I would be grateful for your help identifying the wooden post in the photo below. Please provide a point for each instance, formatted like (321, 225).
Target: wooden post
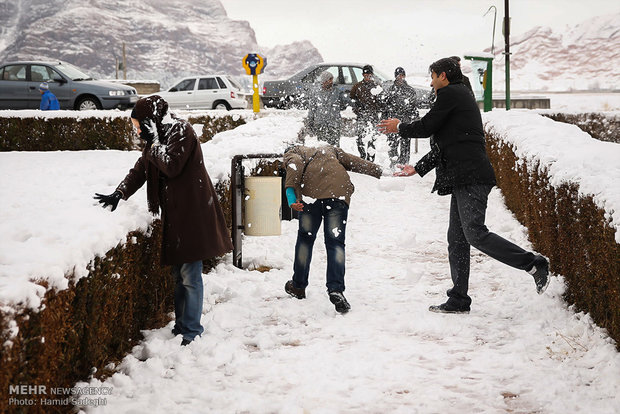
(124, 63)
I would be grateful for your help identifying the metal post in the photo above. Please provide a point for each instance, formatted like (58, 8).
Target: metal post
(494, 19)
(255, 97)
(237, 189)
(507, 50)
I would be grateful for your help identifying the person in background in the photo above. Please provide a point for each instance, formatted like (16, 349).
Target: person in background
(178, 185)
(462, 169)
(366, 96)
(321, 174)
(48, 99)
(401, 103)
(466, 81)
(324, 108)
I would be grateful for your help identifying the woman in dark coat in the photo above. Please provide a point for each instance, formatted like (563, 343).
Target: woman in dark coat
(177, 183)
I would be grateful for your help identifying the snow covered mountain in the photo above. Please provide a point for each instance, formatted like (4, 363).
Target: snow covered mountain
(165, 39)
(583, 57)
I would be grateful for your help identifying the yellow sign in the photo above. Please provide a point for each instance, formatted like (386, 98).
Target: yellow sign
(254, 65)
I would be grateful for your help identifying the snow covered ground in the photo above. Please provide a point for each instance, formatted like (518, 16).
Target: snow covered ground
(265, 352)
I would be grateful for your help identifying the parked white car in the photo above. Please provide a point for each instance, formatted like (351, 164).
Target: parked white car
(206, 92)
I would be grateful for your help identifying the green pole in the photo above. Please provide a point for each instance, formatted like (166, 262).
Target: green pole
(488, 91)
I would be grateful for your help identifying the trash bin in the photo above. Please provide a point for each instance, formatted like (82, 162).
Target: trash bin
(263, 206)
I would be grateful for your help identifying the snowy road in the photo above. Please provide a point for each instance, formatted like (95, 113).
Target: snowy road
(265, 352)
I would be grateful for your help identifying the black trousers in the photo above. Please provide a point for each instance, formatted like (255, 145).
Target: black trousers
(467, 215)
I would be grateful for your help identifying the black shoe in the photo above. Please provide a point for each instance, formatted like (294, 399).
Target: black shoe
(339, 301)
(540, 271)
(185, 342)
(445, 308)
(175, 331)
(293, 291)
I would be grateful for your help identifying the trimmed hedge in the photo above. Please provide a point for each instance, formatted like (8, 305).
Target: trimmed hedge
(81, 329)
(74, 133)
(600, 126)
(65, 134)
(213, 125)
(567, 227)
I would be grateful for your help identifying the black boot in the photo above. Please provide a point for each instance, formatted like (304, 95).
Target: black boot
(446, 308)
(339, 301)
(540, 271)
(293, 291)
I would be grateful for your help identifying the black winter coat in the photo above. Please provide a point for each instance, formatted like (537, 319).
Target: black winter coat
(194, 227)
(458, 150)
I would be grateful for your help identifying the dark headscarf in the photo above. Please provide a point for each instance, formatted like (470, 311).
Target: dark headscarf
(151, 111)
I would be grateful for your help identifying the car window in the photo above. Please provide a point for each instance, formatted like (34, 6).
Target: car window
(234, 83)
(357, 72)
(39, 73)
(311, 77)
(221, 83)
(348, 75)
(14, 73)
(184, 85)
(380, 77)
(208, 83)
(333, 70)
(72, 72)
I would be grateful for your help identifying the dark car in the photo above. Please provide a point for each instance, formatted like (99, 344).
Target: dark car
(19, 87)
(292, 92)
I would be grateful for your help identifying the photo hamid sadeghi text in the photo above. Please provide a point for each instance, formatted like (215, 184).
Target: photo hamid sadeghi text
(42, 395)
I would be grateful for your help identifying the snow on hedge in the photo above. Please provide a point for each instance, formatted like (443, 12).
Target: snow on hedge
(569, 155)
(50, 223)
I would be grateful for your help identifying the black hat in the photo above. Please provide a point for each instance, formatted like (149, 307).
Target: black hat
(367, 69)
(399, 71)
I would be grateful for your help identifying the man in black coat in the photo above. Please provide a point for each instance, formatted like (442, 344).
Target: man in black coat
(463, 169)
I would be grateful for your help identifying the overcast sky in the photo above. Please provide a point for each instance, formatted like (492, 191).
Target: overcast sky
(408, 33)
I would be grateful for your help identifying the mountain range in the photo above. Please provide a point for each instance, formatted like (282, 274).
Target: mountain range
(583, 57)
(164, 39)
(168, 39)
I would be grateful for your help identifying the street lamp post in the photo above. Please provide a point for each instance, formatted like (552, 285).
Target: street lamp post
(507, 50)
(494, 19)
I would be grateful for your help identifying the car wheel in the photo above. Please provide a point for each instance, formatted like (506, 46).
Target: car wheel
(88, 103)
(221, 105)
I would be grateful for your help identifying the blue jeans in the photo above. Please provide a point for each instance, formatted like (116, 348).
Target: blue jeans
(188, 294)
(333, 212)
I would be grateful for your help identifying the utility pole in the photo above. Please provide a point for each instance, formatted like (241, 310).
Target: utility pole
(507, 50)
(125, 62)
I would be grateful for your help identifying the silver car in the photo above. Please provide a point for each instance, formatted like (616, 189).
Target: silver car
(19, 87)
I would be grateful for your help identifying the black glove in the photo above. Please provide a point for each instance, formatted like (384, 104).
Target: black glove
(145, 132)
(109, 200)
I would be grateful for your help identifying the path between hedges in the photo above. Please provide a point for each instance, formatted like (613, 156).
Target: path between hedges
(264, 352)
